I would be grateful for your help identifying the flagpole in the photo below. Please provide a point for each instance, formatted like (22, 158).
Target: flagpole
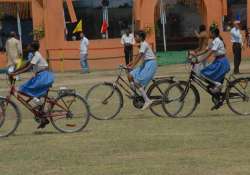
(163, 22)
(19, 28)
(106, 17)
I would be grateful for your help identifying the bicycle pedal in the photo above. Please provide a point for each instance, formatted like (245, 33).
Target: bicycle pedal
(216, 106)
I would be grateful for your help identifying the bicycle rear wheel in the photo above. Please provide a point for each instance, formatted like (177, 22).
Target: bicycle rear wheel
(10, 117)
(177, 107)
(105, 101)
(70, 113)
(238, 96)
(156, 93)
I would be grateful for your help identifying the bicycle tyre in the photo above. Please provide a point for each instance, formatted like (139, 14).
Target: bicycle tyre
(98, 100)
(154, 94)
(183, 104)
(71, 113)
(4, 106)
(235, 92)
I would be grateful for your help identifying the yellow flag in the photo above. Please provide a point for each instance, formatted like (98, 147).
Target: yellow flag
(78, 27)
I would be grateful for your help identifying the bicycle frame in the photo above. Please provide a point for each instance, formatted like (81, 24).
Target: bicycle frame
(204, 83)
(47, 100)
(123, 84)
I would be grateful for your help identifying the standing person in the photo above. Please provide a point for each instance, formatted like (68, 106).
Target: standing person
(237, 41)
(203, 38)
(128, 41)
(84, 46)
(142, 75)
(13, 52)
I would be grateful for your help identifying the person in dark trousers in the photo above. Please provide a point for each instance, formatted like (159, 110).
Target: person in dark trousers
(128, 41)
(237, 41)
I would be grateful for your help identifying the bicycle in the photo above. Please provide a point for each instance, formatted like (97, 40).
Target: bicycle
(68, 112)
(108, 97)
(236, 94)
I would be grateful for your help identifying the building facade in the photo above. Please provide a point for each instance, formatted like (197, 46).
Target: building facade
(48, 17)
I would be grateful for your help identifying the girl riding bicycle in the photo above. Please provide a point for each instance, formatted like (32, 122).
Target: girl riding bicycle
(142, 75)
(40, 83)
(216, 71)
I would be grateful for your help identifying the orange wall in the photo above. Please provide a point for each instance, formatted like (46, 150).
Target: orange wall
(49, 13)
(248, 14)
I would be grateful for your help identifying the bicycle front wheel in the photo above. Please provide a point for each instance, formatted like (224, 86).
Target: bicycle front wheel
(238, 96)
(105, 101)
(10, 117)
(70, 113)
(181, 104)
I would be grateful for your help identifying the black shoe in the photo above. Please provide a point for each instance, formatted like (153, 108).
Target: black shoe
(217, 106)
(44, 122)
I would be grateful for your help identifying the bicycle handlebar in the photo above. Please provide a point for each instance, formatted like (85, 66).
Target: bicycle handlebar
(192, 59)
(121, 66)
(11, 79)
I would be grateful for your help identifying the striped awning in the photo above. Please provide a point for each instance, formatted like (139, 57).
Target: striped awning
(11, 8)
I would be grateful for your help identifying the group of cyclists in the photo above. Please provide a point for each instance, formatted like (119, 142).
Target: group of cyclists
(139, 76)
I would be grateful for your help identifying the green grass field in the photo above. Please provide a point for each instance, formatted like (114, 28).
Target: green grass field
(134, 143)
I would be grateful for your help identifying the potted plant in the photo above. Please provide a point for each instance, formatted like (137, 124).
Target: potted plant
(38, 33)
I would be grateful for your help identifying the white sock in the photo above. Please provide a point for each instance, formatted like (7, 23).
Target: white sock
(132, 85)
(144, 94)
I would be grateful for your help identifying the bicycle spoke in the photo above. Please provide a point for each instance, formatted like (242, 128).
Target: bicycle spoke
(105, 101)
(72, 119)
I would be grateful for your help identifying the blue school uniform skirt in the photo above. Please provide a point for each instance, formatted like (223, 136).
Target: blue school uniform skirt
(217, 70)
(145, 72)
(39, 85)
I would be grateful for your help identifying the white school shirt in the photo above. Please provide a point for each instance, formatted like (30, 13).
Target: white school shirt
(39, 63)
(147, 52)
(128, 39)
(218, 47)
(84, 46)
(236, 36)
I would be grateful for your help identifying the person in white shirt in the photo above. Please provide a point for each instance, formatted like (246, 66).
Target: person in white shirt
(142, 75)
(13, 52)
(216, 71)
(84, 46)
(128, 41)
(39, 84)
(237, 40)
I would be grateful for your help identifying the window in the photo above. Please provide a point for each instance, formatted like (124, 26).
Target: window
(91, 14)
(237, 10)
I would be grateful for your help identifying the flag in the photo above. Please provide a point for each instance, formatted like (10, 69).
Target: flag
(104, 28)
(78, 27)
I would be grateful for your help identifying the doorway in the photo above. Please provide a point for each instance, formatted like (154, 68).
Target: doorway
(181, 18)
